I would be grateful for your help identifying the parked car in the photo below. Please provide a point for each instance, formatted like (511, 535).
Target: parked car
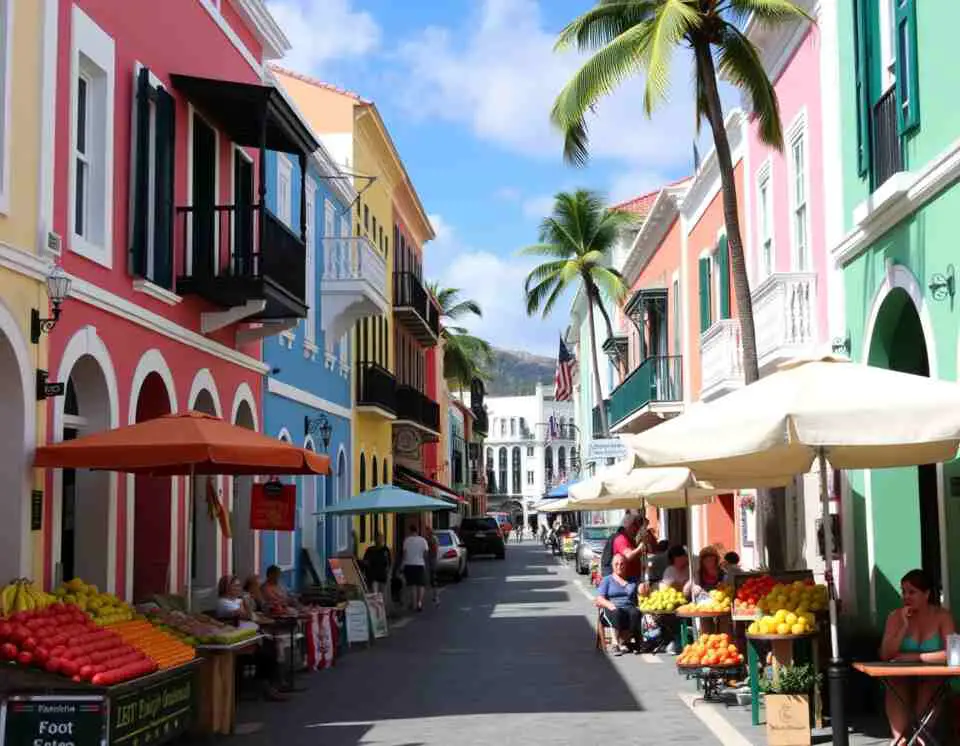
(590, 543)
(451, 555)
(482, 535)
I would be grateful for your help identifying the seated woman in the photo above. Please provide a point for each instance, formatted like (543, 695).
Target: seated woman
(232, 605)
(707, 576)
(617, 596)
(677, 573)
(276, 598)
(917, 632)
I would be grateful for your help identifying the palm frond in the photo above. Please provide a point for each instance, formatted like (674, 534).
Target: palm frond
(596, 78)
(609, 283)
(559, 251)
(547, 269)
(538, 292)
(604, 23)
(463, 308)
(740, 64)
(768, 11)
(673, 21)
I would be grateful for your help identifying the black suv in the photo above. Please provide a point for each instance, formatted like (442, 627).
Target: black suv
(482, 536)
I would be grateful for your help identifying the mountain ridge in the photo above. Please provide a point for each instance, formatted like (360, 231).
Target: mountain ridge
(517, 373)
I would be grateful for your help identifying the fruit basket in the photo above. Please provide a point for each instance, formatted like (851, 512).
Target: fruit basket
(662, 601)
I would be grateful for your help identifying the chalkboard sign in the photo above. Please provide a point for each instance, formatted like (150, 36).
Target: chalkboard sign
(153, 714)
(59, 719)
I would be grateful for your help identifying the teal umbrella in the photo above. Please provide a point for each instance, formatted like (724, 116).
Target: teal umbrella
(387, 499)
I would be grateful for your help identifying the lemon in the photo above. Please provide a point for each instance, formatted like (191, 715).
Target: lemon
(783, 629)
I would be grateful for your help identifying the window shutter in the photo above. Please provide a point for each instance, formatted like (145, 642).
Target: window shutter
(140, 190)
(908, 84)
(723, 270)
(704, 294)
(163, 193)
(861, 29)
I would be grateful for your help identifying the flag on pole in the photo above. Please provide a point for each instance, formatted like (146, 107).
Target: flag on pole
(563, 382)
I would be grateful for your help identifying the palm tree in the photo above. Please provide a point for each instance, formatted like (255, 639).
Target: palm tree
(577, 239)
(465, 356)
(633, 36)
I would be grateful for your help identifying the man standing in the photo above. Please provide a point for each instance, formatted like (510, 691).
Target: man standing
(625, 543)
(378, 561)
(415, 551)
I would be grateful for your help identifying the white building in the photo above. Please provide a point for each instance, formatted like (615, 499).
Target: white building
(530, 448)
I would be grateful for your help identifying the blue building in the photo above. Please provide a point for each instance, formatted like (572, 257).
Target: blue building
(308, 399)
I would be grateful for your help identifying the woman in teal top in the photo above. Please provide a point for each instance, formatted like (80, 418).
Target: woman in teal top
(915, 633)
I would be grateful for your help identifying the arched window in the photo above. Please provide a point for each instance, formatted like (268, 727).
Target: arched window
(363, 472)
(374, 474)
(502, 471)
(562, 462)
(515, 468)
(548, 465)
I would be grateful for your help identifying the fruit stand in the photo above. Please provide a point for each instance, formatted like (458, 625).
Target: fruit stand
(712, 660)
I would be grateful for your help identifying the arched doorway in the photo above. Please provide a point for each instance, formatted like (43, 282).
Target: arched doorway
(905, 502)
(341, 526)
(153, 570)
(205, 570)
(14, 446)
(244, 538)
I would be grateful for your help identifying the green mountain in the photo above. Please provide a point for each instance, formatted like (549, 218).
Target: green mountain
(515, 373)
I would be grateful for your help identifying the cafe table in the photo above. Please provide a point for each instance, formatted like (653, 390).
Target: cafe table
(902, 671)
(286, 624)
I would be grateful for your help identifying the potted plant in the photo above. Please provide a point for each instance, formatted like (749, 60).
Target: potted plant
(787, 701)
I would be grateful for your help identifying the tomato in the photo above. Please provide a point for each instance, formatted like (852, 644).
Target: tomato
(25, 658)
(29, 643)
(57, 651)
(8, 651)
(69, 668)
(52, 664)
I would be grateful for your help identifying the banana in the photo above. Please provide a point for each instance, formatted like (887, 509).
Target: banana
(20, 600)
(7, 596)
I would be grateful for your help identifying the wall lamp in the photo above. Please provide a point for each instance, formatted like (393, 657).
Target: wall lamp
(320, 426)
(942, 285)
(58, 287)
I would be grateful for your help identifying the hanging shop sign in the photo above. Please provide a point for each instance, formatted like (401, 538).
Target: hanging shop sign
(30, 720)
(273, 506)
(606, 448)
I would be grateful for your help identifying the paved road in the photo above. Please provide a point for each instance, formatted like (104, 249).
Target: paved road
(507, 658)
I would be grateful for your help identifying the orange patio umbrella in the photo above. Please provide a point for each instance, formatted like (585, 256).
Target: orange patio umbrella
(182, 443)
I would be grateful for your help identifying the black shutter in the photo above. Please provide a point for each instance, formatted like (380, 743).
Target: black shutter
(140, 189)
(163, 193)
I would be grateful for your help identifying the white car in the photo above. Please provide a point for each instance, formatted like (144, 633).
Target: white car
(591, 541)
(451, 554)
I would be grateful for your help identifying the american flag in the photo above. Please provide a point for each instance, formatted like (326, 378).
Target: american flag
(563, 382)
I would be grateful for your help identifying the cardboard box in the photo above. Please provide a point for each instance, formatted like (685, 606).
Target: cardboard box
(788, 719)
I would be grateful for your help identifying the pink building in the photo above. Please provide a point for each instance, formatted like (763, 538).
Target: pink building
(178, 267)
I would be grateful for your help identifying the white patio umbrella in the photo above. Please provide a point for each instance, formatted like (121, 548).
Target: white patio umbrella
(853, 415)
(554, 506)
(662, 487)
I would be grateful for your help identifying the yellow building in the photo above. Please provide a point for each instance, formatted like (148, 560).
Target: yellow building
(27, 83)
(352, 130)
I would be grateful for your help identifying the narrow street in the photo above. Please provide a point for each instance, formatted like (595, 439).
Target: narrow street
(507, 658)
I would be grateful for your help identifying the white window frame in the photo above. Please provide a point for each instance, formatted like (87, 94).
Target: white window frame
(310, 332)
(331, 247)
(531, 475)
(530, 452)
(6, 80)
(766, 246)
(801, 256)
(93, 56)
(284, 195)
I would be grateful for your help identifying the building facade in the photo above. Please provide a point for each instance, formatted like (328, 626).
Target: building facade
(160, 202)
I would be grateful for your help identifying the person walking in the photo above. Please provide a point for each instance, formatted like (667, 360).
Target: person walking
(377, 562)
(415, 551)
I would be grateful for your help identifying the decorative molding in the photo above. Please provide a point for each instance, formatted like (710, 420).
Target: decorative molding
(261, 329)
(214, 12)
(204, 381)
(155, 291)
(285, 390)
(244, 395)
(91, 294)
(329, 359)
(706, 182)
(901, 195)
(309, 350)
(263, 24)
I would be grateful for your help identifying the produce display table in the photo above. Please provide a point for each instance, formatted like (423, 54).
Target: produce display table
(711, 678)
(147, 711)
(688, 627)
(887, 670)
(786, 649)
(218, 685)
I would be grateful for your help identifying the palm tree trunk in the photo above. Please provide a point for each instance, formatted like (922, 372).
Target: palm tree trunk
(771, 512)
(604, 427)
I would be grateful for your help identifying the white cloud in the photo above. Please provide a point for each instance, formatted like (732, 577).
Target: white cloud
(323, 32)
(537, 208)
(443, 231)
(498, 75)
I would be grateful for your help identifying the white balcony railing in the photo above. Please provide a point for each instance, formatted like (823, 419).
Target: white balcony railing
(721, 359)
(354, 283)
(784, 312)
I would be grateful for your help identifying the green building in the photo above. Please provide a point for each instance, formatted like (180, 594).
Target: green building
(900, 142)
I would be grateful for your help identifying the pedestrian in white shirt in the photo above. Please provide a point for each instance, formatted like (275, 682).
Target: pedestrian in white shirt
(415, 551)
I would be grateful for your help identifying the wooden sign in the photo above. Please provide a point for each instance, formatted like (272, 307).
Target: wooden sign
(273, 507)
(788, 720)
(346, 571)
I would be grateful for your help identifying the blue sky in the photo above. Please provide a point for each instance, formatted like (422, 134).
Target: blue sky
(465, 87)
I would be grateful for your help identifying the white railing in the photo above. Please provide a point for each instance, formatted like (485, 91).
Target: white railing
(784, 312)
(721, 359)
(355, 258)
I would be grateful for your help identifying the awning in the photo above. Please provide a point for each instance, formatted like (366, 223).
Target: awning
(238, 109)
(416, 480)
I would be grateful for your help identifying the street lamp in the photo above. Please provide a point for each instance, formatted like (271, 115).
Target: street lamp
(318, 425)
(58, 287)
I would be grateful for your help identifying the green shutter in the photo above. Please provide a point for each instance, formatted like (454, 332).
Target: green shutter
(723, 270)
(908, 84)
(165, 139)
(140, 189)
(861, 29)
(704, 294)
